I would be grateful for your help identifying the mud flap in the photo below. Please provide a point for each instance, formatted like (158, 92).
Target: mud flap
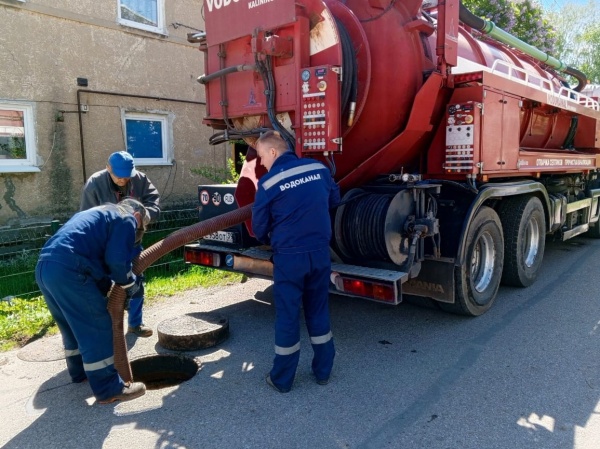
(435, 280)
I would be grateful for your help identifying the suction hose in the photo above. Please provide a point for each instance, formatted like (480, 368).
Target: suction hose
(116, 300)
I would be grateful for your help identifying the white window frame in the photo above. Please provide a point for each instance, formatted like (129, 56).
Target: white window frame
(29, 163)
(166, 119)
(160, 18)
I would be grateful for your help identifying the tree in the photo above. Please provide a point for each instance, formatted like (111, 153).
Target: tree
(578, 28)
(589, 57)
(524, 19)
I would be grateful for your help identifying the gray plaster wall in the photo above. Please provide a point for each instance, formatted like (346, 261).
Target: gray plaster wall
(45, 45)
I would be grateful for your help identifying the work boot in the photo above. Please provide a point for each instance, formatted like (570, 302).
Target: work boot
(130, 391)
(275, 387)
(321, 381)
(141, 331)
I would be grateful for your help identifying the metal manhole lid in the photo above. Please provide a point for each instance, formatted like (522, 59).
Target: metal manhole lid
(193, 331)
(43, 350)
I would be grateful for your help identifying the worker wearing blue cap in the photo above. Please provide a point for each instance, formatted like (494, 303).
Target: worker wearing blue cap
(121, 180)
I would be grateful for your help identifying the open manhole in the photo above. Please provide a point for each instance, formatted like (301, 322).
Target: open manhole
(193, 331)
(164, 370)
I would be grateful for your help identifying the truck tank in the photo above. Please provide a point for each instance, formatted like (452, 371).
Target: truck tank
(386, 53)
(458, 147)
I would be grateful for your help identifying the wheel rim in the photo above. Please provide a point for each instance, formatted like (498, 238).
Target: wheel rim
(482, 262)
(532, 242)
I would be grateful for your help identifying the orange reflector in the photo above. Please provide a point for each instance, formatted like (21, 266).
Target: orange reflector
(466, 77)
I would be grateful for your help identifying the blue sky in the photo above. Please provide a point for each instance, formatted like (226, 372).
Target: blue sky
(555, 4)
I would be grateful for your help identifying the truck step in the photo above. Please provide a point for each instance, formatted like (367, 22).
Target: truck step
(370, 273)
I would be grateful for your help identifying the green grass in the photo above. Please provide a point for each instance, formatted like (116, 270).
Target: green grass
(24, 320)
(195, 276)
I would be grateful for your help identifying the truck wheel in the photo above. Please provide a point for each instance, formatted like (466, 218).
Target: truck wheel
(594, 231)
(524, 229)
(477, 281)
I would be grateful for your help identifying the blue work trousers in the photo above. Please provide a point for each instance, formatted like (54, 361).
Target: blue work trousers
(80, 311)
(301, 281)
(134, 313)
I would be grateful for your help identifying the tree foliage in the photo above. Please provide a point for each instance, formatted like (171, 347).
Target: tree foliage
(578, 27)
(524, 19)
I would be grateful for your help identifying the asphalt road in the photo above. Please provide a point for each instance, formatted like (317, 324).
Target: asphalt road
(524, 375)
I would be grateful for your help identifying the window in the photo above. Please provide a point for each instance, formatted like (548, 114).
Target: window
(17, 138)
(143, 14)
(148, 137)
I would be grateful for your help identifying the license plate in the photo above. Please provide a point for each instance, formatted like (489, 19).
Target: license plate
(221, 236)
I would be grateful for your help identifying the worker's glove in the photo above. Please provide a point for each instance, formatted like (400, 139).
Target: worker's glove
(104, 285)
(133, 285)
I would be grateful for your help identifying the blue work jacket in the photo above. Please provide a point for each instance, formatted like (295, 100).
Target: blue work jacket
(99, 241)
(291, 207)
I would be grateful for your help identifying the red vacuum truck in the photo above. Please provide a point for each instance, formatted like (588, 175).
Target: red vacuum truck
(457, 147)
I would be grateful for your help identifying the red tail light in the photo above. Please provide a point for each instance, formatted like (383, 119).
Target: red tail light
(367, 289)
(206, 258)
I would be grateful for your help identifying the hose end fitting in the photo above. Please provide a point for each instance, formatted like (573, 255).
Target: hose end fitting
(351, 113)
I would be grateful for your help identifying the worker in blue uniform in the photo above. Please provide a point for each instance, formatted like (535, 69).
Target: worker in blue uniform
(75, 272)
(291, 213)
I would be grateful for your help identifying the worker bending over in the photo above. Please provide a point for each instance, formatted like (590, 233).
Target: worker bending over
(75, 272)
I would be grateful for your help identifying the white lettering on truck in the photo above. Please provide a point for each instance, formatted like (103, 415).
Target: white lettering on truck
(218, 4)
(255, 3)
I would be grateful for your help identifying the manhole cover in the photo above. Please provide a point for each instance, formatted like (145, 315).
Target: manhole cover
(43, 350)
(161, 371)
(193, 331)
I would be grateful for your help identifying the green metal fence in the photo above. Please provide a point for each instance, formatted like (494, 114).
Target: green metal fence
(19, 250)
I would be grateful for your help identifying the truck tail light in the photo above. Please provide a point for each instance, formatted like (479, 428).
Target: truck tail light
(366, 288)
(206, 258)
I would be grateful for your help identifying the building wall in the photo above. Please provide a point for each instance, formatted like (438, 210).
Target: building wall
(45, 45)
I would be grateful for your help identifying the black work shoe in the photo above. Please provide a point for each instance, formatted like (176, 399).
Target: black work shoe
(141, 331)
(130, 391)
(320, 381)
(275, 387)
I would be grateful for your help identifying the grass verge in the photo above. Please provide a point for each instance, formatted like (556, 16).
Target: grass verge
(25, 320)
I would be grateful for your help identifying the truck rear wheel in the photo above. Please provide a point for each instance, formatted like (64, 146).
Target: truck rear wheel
(477, 281)
(524, 229)
(594, 231)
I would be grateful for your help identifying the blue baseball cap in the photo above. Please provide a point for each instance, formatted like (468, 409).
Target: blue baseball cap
(121, 164)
